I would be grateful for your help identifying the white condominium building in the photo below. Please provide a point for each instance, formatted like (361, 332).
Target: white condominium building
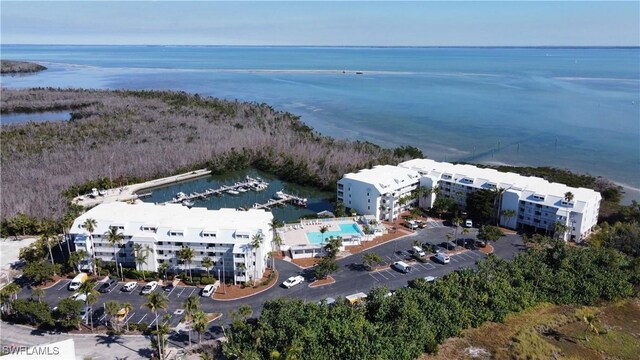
(224, 235)
(535, 202)
(383, 191)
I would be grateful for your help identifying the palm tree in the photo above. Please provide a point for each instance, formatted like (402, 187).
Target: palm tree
(8, 294)
(157, 301)
(128, 307)
(162, 268)
(96, 263)
(256, 242)
(186, 254)
(87, 288)
(323, 229)
(207, 263)
(497, 203)
(38, 293)
(91, 299)
(161, 331)
(190, 305)
(112, 307)
(591, 320)
(141, 258)
(383, 209)
(568, 196)
(199, 324)
(456, 222)
(47, 239)
(114, 238)
(560, 230)
(508, 214)
(90, 225)
(277, 241)
(75, 258)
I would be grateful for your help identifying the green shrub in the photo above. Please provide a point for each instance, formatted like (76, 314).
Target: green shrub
(206, 280)
(144, 328)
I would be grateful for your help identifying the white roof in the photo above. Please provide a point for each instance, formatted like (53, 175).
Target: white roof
(172, 217)
(385, 178)
(481, 177)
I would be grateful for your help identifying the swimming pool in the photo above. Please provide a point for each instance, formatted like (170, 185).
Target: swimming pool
(317, 237)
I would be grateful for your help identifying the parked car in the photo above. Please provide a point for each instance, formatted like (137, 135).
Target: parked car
(208, 290)
(106, 286)
(79, 297)
(78, 281)
(128, 287)
(417, 251)
(122, 314)
(85, 311)
(402, 266)
(411, 224)
(168, 287)
(468, 223)
(293, 281)
(430, 278)
(147, 289)
(448, 245)
(442, 257)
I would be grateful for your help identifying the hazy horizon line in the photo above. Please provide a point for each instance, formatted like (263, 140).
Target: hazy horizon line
(344, 46)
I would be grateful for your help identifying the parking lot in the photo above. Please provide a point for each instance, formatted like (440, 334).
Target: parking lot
(138, 313)
(418, 267)
(350, 278)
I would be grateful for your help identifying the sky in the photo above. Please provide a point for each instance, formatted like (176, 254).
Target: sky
(359, 23)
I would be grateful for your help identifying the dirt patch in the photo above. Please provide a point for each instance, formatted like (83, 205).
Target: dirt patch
(232, 292)
(329, 280)
(487, 249)
(306, 262)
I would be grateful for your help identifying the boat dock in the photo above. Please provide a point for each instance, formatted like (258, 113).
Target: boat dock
(248, 184)
(281, 198)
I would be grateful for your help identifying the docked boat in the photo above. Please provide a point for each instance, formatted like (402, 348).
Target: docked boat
(279, 195)
(180, 196)
(102, 192)
(242, 189)
(259, 186)
(188, 203)
(232, 192)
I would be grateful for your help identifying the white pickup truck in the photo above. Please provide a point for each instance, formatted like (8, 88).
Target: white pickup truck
(292, 281)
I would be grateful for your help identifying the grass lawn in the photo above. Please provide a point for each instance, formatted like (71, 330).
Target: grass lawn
(550, 331)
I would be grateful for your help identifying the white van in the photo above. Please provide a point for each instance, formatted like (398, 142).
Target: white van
(417, 250)
(443, 258)
(78, 281)
(402, 266)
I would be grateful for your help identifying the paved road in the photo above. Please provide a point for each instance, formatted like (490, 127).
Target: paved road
(351, 278)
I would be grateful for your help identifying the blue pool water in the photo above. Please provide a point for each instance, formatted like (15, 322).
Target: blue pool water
(345, 229)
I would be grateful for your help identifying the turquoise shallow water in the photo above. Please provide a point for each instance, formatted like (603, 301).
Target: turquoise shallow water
(345, 229)
(574, 108)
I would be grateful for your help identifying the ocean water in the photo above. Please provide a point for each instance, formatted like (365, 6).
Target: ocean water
(573, 108)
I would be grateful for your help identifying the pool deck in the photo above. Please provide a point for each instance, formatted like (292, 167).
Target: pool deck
(294, 237)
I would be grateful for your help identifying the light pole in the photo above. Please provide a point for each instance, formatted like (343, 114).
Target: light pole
(121, 272)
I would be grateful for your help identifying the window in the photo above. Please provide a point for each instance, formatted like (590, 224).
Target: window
(209, 234)
(176, 233)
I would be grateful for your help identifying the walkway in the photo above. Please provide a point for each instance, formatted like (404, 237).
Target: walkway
(128, 192)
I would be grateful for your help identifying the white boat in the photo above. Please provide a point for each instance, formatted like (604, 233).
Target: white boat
(232, 192)
(94, 193)
(102, 192)
(260, 186)
(278, 195)
(180, 195)
(242, 189)
(188, 203)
